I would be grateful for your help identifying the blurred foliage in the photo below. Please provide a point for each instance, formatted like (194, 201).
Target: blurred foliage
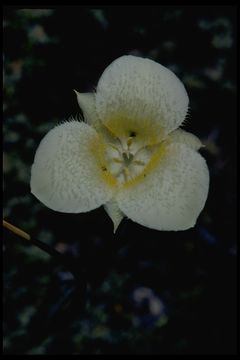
(141, 291)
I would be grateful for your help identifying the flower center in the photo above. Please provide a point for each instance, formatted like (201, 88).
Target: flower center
(127, 159)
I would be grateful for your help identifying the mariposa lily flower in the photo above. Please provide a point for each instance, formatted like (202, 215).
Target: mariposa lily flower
(129, 154)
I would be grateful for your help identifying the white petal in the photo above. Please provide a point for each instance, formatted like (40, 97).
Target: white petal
(136, 94)
(183, 137)
(67, 173)
(87, 103)
(172, 196)
(115, 213)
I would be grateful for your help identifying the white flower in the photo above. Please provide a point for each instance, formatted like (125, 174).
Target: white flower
(129, 155)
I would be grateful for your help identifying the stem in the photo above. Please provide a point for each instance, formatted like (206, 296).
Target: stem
(16, 230)
(61, 258)
(61, 314)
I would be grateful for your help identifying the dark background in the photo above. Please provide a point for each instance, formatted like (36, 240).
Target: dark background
(140, 291)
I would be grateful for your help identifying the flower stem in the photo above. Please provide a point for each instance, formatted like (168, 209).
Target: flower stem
(61, 259)
(16, 230)
(51, 251)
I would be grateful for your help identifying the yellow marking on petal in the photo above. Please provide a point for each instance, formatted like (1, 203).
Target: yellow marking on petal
(157, 156)
(98, 149)
(129, 127)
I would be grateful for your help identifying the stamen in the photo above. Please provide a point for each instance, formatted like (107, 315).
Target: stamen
(129, 141)
(129, 158)
(126, 173)
(139, 162)
(116, 148)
